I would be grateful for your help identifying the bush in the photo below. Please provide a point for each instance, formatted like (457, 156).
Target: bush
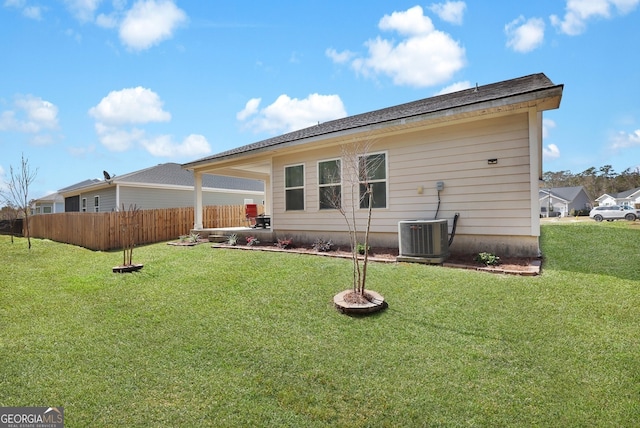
(252, 240)
(322, 245)
(360, 248)
(487, 259)
(285, 243)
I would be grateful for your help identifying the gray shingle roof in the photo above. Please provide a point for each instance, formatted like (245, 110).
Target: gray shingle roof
(467, 97)
(84, 183)
(627, 193)
(173, 174)
(566, 193)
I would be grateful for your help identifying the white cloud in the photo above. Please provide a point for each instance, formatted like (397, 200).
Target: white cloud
(524, 35)
(623, 140)
(33, 12)
(29, 11)
(83, 10)
(131, 105)
(118, 112)
(451, 11)
(550, 152)
(164, 146)
(149, 22)
(579, 12)
(409, 22)
(547, 126)
(117, 139)
(425, 57)
(107, 21)
(339, 57)
(250, 109)
(455, 87)
(32, 115)
(289, 114)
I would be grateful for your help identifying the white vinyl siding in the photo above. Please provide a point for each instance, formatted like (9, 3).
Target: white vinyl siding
(147, 198)
(492, 199)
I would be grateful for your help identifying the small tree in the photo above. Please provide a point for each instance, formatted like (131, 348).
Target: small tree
(128, 227)
(356, 174)
(10, 214)
(17, 194)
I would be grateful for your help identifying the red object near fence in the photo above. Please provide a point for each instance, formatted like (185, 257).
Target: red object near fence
(251, 212)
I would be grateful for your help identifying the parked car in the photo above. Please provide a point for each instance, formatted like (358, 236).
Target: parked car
(613, 212)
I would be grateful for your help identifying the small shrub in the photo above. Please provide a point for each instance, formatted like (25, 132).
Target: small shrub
(252, 240)
(360, 248)
(194, 237)
(322, 245)
(232, 239)
(487, 259)
(183, 238)
(285, 243)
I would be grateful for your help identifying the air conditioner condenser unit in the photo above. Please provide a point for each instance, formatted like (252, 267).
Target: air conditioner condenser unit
(423, 241)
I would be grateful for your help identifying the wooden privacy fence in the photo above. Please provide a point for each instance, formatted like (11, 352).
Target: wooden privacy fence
(102, 231)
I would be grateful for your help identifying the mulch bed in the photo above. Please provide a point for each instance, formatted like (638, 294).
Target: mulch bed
(508, 265)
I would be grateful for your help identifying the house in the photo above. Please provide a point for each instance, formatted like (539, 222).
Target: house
(166, 185)
(563, 201)
(629, 198)
(476, 152)
(54, 203)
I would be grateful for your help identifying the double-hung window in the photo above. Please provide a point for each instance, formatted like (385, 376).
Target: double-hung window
(329, 183)
(84, 205)
(372, 173)
(294, 187)
(96, 204)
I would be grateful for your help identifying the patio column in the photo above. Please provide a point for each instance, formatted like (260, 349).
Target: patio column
(197, 209)
(268, 196)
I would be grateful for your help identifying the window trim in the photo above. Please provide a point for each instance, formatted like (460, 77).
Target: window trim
(83, 205)
(303, 187)
(385, 180)
(321, 186)
(96, 204)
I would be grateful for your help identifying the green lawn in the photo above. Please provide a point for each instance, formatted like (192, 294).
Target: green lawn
(214, 337)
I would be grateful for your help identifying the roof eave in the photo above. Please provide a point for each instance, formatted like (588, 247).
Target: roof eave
(541, 99)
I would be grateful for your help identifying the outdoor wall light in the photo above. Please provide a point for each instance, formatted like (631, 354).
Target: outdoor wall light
(492, 161)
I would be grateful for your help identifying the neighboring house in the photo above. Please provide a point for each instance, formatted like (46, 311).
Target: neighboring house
(49, 204)
(562, 201)
(166, 185)
(54, 203)
(481, 146)
(629, 198)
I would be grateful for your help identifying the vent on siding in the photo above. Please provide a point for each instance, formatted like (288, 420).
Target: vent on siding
(426, 240)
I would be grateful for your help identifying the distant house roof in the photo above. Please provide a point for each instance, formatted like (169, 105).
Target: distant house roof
(173, 174)
(84, 183)
(494, 92)
(622, 195)
(566, 193)
(170, 174)
(627, 193)
(53, 197)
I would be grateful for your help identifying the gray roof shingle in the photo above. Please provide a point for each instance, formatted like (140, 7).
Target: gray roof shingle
(172, 174)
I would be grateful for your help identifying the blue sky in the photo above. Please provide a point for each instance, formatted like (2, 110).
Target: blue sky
(116, 85)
